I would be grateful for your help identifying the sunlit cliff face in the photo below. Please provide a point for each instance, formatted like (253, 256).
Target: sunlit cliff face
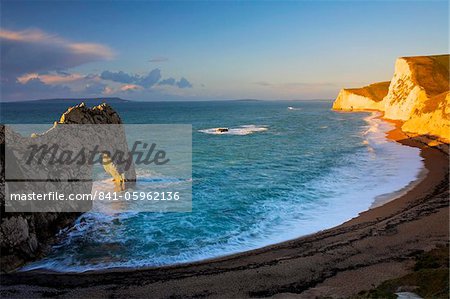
(418, 94)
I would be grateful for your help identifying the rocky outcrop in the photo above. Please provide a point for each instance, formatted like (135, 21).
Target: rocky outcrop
(24, 235)
(418, 95)
(81, 114)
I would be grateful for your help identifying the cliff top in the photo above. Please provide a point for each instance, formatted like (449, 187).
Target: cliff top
(430, 72)
(443, 59)
(375, 91)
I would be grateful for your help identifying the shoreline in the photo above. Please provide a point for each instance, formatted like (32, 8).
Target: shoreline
(396, 135)
(318, 259)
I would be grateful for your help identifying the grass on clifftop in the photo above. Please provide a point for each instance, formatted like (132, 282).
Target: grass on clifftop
(430, 278)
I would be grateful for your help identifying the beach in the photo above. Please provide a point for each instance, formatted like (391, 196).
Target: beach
(378, 245)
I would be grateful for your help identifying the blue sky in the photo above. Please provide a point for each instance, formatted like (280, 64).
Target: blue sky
(210, 50)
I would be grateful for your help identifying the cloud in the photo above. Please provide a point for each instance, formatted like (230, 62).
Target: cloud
(51, 79)
(150, 79)
(62, 73)
(94, 89)
(130, 87)
(119, 76)
(108, 90)
(36, 64)
(146, 81)
(35, 51)
(183, 83)
(168, 81)
(159, 59)
(64, 84)
(52, 85)
(33, 89)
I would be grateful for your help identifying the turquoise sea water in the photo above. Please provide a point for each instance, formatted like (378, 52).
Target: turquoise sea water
(281, 173)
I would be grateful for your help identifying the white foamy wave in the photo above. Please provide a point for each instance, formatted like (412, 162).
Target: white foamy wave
(294, 108)
(375, 134)
(241, 130)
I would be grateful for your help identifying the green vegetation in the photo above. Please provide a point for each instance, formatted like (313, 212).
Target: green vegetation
(430, 278)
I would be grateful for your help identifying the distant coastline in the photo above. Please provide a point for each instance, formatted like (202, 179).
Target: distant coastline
(115, 100)
(95, 100)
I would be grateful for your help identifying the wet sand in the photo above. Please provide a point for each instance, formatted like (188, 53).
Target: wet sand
(377, 245)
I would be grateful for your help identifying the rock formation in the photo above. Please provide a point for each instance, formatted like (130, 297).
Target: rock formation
(418, 95)
(24, 236)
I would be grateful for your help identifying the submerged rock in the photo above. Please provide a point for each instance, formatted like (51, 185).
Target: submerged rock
(222, 130)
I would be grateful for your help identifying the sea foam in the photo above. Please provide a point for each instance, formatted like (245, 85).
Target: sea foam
(241, 130)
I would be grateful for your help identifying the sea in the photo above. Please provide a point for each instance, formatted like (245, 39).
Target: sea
(284, 169)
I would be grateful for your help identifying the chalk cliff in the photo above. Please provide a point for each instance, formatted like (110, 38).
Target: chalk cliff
(24, 236)
(365, 98)
(418, 95)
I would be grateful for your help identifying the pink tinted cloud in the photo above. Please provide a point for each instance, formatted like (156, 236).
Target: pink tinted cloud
(51, 79)
(29, 35)
(34, 51)
(130, 87)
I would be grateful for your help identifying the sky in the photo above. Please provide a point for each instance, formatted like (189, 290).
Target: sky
(171, 50)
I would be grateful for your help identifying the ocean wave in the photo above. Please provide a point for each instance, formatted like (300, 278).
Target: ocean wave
(241, 130)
